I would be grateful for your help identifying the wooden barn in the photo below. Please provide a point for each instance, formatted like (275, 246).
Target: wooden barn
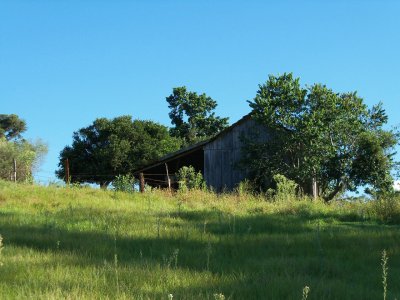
(216, 158)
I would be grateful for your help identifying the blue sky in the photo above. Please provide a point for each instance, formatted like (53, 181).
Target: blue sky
(65, 63)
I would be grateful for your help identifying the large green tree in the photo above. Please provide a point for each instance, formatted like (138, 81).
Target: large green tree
(11, 126)
(318, 135)
(108, 148)
(193, 116)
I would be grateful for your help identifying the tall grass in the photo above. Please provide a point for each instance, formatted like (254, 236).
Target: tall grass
(81, 243)
(1, 249)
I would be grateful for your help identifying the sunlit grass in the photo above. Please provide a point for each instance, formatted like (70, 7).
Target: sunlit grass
(91, 244)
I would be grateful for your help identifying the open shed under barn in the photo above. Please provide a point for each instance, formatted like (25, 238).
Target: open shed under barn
(216, 158)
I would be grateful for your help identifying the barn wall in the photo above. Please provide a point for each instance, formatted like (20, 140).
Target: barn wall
(222, 155)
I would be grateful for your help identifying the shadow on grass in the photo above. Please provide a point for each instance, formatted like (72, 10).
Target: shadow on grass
(255, 251)
(232, 241)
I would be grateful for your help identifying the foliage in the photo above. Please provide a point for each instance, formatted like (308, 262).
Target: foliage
(285, 189)
(259, 249)
(386, 207)
(193, 116)
(245, 188)
(27, 155)
(11, 126)
(111, 147)
(189, 179)
(124, 183)
(318, 133)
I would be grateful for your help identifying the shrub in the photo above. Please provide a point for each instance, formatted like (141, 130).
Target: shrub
(28, 157)
(189, 179)
(124, 183)
(386, 207)
(245, 187)
(285, 188)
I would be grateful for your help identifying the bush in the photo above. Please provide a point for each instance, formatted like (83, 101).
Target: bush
(189, 179)
(27, 155)
(245, 187)
(387, 208)
(285, 188)
(124, 183)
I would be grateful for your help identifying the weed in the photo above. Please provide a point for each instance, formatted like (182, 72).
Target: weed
(384, 263)
(208, 254)
(158, 226)
(1, 249)
(219, 296)
(245, 188)
(175, 257)
(306, 290)
(116, 260)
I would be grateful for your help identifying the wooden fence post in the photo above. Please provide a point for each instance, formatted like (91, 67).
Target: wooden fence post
(67, 176)
(15, 170)
(141, 182)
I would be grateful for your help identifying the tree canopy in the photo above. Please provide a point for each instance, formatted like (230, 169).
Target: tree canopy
(193, 116)
(318, 134)
(11, 126)
(111, 147)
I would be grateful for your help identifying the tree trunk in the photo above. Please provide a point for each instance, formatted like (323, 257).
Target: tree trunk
(314, 188)
(339, 187)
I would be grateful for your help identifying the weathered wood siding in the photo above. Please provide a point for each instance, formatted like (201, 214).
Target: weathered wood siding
(222, 155)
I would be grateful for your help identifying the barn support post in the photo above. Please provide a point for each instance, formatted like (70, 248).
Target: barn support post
(141, 182)
(168, 178)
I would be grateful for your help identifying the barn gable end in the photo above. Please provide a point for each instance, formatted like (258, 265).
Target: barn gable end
(223, 153)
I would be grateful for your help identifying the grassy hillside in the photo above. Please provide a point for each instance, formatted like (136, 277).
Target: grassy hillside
(91, 244)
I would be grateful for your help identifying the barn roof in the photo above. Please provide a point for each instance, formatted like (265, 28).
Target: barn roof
(192, 148)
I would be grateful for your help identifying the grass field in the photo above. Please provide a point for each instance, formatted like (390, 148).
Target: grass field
(82, 243)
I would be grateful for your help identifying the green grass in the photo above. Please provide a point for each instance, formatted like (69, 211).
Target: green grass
(92, 244)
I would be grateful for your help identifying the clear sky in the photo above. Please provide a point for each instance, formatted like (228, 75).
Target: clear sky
(65, 63)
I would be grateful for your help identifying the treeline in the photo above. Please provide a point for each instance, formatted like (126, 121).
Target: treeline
(324, 141)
